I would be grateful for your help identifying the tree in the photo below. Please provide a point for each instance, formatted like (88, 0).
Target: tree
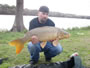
(18, 25)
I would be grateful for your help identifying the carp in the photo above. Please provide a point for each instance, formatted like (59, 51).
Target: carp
(44, 34)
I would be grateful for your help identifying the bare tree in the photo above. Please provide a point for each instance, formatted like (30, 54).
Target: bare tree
(18, 25)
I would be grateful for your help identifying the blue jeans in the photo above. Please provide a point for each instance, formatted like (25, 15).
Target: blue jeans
(49, 50)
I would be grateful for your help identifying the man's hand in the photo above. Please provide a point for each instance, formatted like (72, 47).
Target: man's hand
(35, 39)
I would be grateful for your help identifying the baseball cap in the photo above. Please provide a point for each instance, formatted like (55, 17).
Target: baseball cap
(44, 9)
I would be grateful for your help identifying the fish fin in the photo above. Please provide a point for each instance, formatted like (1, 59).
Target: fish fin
(19, 45)
(55, 42)
(19, 48)
(43, 44)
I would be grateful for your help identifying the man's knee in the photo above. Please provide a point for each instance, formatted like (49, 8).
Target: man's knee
(30, 45)
(34, 47)
(59, 49)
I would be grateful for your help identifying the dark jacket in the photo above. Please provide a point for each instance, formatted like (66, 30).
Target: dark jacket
(34, 23)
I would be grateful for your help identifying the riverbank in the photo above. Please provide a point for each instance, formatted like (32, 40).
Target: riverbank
(78, 42)
(7, 22)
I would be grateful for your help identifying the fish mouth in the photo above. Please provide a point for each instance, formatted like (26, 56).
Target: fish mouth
(64, 36)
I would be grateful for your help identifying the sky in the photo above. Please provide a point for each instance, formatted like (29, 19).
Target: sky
(79, 7)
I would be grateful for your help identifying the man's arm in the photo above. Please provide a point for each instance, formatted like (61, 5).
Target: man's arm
(51, 23)
(34, 38)
(31, 25)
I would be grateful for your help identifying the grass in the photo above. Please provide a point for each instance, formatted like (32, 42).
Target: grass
(78, 42)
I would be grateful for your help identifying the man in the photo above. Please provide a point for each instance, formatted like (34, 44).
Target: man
(34, 47)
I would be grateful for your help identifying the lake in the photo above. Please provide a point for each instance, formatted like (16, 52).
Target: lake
(6, 22)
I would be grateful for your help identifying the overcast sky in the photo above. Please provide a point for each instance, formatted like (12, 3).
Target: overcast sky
(79, 7)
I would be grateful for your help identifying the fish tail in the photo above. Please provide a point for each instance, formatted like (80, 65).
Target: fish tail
(19, 45)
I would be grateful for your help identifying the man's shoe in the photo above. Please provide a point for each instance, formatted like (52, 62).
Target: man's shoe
(33, 62)
(48, 59)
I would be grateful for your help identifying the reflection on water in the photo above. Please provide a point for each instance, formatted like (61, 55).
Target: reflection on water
(6, 22)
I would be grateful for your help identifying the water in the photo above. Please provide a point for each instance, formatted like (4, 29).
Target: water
(6, 22)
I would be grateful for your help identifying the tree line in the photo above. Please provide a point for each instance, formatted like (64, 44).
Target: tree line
(11, 10)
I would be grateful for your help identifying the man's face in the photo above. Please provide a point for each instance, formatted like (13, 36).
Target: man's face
(43, 16)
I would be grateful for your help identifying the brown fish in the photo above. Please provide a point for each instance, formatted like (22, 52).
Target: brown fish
(44, 34)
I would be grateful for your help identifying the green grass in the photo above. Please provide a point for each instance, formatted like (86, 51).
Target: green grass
(78, 42)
